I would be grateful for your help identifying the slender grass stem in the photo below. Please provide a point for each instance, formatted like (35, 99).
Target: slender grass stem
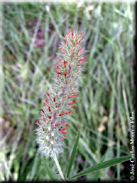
(59, 167)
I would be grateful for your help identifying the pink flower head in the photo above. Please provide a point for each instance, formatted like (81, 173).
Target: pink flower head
(61, 99)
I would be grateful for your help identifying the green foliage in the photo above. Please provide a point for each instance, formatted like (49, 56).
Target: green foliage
(102, 165)
(49, 171)
(73, 154)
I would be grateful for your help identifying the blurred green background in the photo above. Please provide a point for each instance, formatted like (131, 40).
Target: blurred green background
(31, 38)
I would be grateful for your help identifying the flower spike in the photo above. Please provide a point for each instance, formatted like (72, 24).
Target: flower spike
(61, 99)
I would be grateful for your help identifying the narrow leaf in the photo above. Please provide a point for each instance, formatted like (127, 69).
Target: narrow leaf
(102, 165)
(97, 173)
(73, 154)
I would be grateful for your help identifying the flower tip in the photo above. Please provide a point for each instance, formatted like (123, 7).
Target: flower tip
(82, 60)
(39, 123)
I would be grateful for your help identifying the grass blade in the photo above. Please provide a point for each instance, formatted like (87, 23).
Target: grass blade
(73, 154)
(102, 165)
(97, 173)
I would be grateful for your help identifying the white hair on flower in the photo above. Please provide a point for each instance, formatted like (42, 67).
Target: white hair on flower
(62, 98)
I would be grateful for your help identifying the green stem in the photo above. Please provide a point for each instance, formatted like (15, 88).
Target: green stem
(59, 167)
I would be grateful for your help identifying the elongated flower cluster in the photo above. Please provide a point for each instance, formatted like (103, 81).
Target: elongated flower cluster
(62, 98)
